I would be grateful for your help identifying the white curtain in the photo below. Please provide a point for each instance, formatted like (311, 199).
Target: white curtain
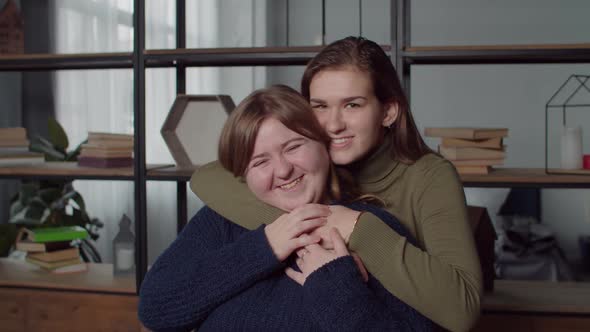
(102, 100)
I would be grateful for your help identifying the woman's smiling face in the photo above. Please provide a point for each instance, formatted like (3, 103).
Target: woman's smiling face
(286, 169)
(345, 104)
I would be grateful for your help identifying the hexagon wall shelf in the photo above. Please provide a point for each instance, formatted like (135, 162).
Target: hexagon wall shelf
(192, 127)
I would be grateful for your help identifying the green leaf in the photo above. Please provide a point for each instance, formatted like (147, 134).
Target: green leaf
(49, 195)
(42, 145)
(21, 218)
(73, 155)
(79, 201)
(27, 192)
(57, 134)
(15, 208)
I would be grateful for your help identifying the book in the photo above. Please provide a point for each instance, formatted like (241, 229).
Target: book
(10, 150)
(490, 143)
(99, 136)
(105, 162)
(14, 133)
(14, 143)
(23, 243)
(6, 161)
(53, 265)
(478, 162)
(108, 145)
(57, 255)
(106, 154)
(476, 169)
(466, 132)
(460, 153)
(53, 234)
(81, 267)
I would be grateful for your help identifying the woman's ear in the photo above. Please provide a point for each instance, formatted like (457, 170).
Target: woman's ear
(390, 114)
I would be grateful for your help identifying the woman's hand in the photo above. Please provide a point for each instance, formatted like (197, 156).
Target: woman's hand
(313, 256)
(290, 231)
(341, 218)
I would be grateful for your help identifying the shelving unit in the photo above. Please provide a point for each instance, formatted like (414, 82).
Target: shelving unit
(401, 53)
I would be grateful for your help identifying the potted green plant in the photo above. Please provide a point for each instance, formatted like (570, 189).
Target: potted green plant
(50, 203)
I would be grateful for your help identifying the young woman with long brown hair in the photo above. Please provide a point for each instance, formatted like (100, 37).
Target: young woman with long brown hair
(355, 93)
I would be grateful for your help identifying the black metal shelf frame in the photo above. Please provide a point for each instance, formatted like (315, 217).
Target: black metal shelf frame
(66, 177)
(223, 59)
(38, 62)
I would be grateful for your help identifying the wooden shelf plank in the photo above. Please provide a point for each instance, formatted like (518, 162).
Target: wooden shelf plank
(29, 62)
(511, 47)
(236, 56)
(538, 297)
(98, 278)
(535, 177)
(65, 170)
(490, 54)
(170, 173)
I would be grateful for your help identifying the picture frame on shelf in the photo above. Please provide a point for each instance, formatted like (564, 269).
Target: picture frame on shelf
(193, 125)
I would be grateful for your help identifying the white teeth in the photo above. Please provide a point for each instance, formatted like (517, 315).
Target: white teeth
(340, 140)
(291, 184)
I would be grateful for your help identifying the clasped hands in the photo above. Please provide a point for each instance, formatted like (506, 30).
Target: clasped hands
(317, 234)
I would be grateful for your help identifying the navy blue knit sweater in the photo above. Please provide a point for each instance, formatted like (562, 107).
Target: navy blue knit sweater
(218, 276)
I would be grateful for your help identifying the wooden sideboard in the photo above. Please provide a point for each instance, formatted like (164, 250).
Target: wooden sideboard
(536, 306)
(33, 300)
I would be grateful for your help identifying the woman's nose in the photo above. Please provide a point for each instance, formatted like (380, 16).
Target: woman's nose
(283, 168)
(335, 123)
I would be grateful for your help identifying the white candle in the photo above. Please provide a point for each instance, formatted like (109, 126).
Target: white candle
(571, 148)
(125, 258)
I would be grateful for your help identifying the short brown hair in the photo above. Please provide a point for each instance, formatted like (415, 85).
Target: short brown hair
(367, 56)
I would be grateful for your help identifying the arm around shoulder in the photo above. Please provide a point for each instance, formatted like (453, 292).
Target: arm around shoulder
(230, 197)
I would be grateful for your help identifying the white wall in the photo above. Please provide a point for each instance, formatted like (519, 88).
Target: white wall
(512, 96)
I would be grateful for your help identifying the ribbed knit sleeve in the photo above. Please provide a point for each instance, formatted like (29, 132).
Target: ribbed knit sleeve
(206, 265)
(215, 186)
(339, 300)
(443, 280)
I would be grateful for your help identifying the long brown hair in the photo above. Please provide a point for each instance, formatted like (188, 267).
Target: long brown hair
(367, 56)
(238, 136)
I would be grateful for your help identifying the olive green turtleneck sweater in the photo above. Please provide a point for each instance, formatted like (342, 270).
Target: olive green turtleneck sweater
(443, 282)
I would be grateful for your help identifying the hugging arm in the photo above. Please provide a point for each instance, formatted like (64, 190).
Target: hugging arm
(443, 281)
(204, 267)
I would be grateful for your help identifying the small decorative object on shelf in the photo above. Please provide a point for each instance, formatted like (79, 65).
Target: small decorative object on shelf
(573, 96)
(12, 37)
(193, 125)
(124, 248)
(473, 150)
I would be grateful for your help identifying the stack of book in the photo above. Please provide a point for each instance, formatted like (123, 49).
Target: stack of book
(105, 150)
(14, 148)
(53, 249)
(471, 150)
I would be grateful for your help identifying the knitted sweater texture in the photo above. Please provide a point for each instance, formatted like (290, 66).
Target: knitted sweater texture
(218, 276)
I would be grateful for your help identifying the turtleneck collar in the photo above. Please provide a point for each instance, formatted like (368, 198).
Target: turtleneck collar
(379, 165)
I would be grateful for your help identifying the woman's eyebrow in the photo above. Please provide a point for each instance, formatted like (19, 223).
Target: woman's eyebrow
(264, 154)
(292, 140)
(314, 100)
(349, 99)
